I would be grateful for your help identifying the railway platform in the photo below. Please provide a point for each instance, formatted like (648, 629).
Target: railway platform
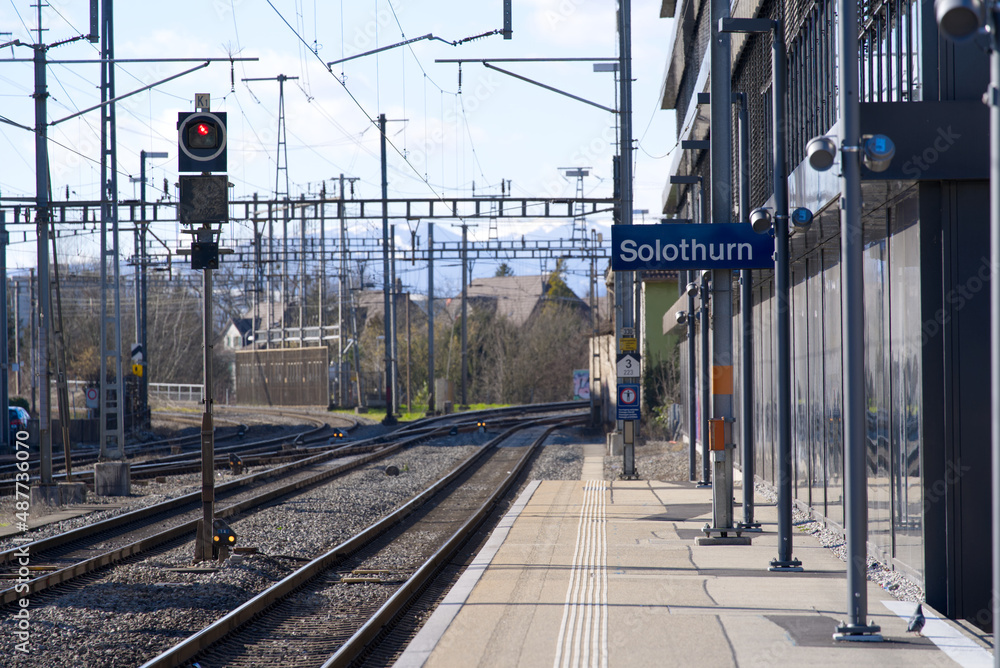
(607, 573)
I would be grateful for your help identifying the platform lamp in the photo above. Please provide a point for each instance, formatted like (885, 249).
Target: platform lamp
(960, 21)
(692, 290)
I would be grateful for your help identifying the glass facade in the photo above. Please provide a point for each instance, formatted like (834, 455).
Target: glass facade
(892, 379)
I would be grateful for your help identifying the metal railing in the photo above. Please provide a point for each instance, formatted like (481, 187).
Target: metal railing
(177, 391)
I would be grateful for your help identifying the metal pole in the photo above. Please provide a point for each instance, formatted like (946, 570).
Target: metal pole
(721, 324)
(386, 306)
(853, 331)
(137, 279)
(285, 213)
(746, 324)
(409, 393)
(784, 561)
(321, 280)
(257, 282)
(145, 416)
(33, 336)
(203, 546)
(42, 228)
(271, 263)
(431, 399)
(393, 340)
(706, 475)
(692, 386)
(112, 394)
(625, 280)
(341, 296)
(993, 98)
(4, 350)
(465, 313)
(144, 419)
(17, 333)
(302, 271)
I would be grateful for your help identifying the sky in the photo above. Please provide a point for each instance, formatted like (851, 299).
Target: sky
(448, 139)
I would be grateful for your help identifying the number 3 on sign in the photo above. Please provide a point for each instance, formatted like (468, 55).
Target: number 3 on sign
(628, 365)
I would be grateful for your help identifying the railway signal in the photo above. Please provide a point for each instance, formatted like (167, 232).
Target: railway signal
(201, 141)
(223, 538)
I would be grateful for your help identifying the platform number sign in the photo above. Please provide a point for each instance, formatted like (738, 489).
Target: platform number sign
(628, 402)
(628, 365)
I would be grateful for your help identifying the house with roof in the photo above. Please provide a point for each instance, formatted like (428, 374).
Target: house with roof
(517, 298)
(237, 333)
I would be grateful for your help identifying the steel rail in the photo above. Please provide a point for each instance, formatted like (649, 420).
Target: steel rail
(404, 597)
(232, 621)
(54, 578)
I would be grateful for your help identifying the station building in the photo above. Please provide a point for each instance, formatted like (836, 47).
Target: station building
(927, 275)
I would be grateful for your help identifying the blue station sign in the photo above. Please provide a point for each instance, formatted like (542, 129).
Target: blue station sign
(690, 246)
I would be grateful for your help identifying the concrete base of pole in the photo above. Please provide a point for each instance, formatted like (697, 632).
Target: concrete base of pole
(616, 444)
(44, 498)
(71, 493)
(202, 548)
(112, 479)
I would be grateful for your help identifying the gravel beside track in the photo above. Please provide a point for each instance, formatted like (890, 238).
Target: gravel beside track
(135, 610)
(129, 613)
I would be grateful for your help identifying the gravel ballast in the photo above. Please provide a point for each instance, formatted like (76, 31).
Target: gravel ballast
(129, 613)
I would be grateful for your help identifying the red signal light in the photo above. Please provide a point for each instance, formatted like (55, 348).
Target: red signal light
(203, 134)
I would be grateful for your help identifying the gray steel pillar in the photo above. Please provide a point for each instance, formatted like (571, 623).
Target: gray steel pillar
(692, 385)
(203, 542)
(42, 230)
(393, 339)
(721, 148)
(746, 326)
(389, 419)
(706, 463)
(993, 98)
(853, 331)
(4, 350)
(465, 312)
(625, 283)
(785, 561)
(431, 398)
(341, 297)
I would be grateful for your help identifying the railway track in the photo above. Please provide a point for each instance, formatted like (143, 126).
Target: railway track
(65, 557)
(176, 456)
(315, 617)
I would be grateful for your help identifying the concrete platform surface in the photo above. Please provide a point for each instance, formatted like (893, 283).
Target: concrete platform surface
(597, 573)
